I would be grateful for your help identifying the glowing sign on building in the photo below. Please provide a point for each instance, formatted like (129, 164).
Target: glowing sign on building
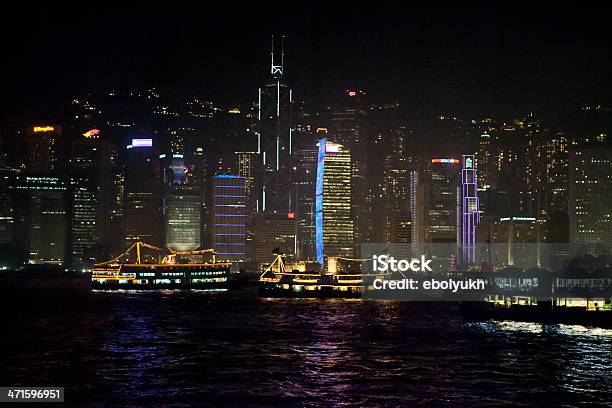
(291, 216)
(142, 142)
(92, 133)
(445, 161)
(43, 129)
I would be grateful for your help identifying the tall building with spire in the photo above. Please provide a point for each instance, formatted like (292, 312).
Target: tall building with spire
(274, 138)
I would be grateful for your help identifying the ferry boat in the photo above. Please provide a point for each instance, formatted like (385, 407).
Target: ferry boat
(306, 280)
(167, 274)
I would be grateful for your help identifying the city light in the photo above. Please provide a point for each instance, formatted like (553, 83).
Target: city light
(43, 129)
(92, 133)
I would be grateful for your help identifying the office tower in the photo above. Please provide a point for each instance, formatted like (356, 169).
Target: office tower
(348, 125)
(13, 227)
(435, 203)
(396, 192)
(590, 200)
(333, 222)
(470, 210)
(484, 161)
(45, 150)
(247, 166)
(274, 142)
(274, 233)
(91, 199)
(142, 203)
(304, 181)
(198, 175)
(46, 215)
(183, 207)
(229, 217)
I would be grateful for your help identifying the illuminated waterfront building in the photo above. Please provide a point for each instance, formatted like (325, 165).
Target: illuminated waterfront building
(142, 195)
(247, 166)
(333, 222)
(45, 150)
(436, 215)
(229, 217)
(470, 210)
(91, 166)
(183, 207)
(590, 200)
(46, 221)
(274, 138)
(304, 182)
(274, 232)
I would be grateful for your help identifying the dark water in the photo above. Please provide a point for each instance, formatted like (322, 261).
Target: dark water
(221, 349)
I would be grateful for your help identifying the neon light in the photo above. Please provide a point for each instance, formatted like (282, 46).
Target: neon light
(228, 176)
(352, 93)
(319, 201)
(43, 129)
(231, 205)
(291, 216)
(446, 161)
(92, 133)
(277, 153)
(142, 142)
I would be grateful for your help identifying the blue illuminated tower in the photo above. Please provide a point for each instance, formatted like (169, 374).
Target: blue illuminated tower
(229, 217)
(470, 210)
(333, 221)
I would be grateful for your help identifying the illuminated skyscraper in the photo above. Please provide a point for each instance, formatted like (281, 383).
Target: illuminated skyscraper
(590, 200)
(304, 181)
(470, 210)
(247, 166)
(274, 142)
(333, 222)
(142, 213)
(45, 150)
(274, 232)
(436, 214)
(91, 198)
(229, 217)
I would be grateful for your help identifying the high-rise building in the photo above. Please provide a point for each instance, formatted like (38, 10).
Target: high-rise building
(46, 215)
(45, 150)
(304, 180)
(91, 199)
(590, 200)
(247, 167)
(333, 221)
(142, 213)
(470, 210)
(274, 232)
(275, 134)
(229, 217)
(435, 219)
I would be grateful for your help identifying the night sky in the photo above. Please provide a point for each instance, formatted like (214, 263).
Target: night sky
(467, 61)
